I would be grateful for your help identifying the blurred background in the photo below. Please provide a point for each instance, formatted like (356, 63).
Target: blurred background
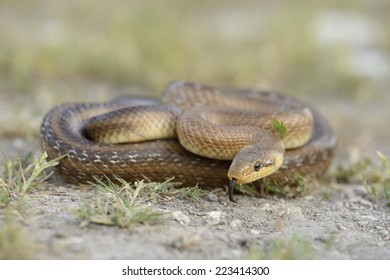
(332, 54)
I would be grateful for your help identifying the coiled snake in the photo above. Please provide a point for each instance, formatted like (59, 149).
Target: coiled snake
(215, 125)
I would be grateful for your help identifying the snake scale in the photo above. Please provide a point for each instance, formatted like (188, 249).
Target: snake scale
(213, 124)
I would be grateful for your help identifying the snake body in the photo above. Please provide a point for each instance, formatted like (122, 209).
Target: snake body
(67, 130)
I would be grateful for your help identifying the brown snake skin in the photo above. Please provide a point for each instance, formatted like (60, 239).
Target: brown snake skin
(63, 134)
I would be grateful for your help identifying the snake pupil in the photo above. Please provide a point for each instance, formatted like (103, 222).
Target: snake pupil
(257, 166)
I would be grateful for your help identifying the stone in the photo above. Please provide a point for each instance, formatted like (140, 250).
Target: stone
(235, 224)
(213, 217)
(181, 218)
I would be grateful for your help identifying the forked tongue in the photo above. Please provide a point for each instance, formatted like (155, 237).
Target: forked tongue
(231, 188)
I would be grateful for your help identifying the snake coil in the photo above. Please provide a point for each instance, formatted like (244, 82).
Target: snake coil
(214, 124)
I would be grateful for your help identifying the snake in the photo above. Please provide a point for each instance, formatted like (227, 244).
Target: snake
(198, 134)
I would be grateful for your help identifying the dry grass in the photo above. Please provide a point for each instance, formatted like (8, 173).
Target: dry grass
(373, 174)
(123, 204)
(19, 176)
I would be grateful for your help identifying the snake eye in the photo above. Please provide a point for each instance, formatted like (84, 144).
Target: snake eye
(257, 166)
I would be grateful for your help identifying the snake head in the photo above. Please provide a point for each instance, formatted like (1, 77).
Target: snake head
(254, 162)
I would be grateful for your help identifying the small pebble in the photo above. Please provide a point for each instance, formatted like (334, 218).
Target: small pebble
(59, 235)
(181, 218)
(340, 227)
(365, 202)
(355, 199)
(363, 223)
(212, 197)
(322, 239)
(267, 208)
(385, 236)
(213, 217)
(360, 190)
(235, 224)
(340, 204)
(308, 198)
(370, 218)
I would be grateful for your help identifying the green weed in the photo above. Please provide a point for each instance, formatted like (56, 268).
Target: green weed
(123, 204)
(247, 189)
(19, 176)
(345, 174)
(279, 127)
(120, 205)
(379, 186)
(373, 175)
(296, 185)
(330, 241)
(169, 189)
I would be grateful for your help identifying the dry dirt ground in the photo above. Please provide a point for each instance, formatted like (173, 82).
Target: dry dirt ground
(331, 221)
